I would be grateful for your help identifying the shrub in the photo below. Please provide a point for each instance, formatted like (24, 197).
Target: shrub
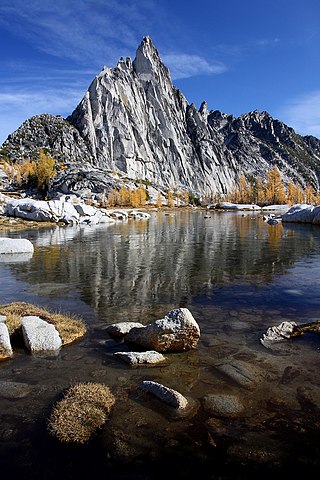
(81, 412)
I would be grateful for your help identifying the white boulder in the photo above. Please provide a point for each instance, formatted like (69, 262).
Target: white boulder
(39, 335)
(277, 334)
(238, 206)
(42, 211)
(176, 332)
(5, 344)
(15, 245)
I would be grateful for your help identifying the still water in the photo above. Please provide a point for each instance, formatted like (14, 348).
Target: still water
(238, 276)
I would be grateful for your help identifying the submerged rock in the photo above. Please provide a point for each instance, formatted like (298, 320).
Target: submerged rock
(141, 358)
(242, 373)
(223, 405)
(168, 395)
(14, 390)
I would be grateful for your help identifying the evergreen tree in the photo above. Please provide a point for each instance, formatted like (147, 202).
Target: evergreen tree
(44, 171)
(275, 192)
(310, 196)
(170, 199)
(291, 193)
(260, 193)
(159, 200)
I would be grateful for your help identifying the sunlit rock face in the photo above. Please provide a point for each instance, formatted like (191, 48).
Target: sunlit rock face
(134, 121)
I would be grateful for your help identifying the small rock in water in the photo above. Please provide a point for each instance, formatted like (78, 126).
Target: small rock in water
(169, 396)
(14, 389)
(141, 358)
(223, 405)
(277, 334)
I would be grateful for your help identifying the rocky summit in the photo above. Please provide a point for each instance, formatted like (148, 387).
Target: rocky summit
(134, 121)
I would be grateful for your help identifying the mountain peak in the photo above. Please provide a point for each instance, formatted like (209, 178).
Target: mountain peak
(148, 63)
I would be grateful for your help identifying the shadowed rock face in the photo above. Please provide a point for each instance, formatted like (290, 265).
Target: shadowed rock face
(134, 120)
(50, 132)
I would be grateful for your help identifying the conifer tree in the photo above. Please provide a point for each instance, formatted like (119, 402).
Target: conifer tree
(170, 199)
(291, 191)
(298, 194)
(44, 171)
(245, 190)
(28, 171)
(260, 194)
(185, 198)
(159, 200)
(124, 196)
(142, 196)
(310, 196)
(275, 192)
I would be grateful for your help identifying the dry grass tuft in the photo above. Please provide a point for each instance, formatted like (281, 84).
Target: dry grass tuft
(81, 412)
(69, 327)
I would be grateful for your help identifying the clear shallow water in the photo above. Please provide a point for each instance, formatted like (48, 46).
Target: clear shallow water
(238, 276)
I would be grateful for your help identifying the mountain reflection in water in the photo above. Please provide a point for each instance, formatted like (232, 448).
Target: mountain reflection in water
(238, 276)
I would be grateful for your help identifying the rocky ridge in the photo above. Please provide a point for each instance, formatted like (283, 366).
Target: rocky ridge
(134, 121)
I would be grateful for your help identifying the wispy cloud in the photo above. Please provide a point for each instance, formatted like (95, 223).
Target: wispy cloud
(16, 106)
(240, 51)
(91, 31)
(184, 66)
(52, 101)
(303, 113)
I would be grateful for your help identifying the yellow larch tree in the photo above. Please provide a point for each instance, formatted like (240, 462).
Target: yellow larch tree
(310, 196)
(185, 198)
(142, 196)
(275, 192)
(124, 196)
(27, 171)
(245, 190)
(159, 200)
(291, 191)
(45, 170)
(298, 194)
(260, 193)
(170, 199)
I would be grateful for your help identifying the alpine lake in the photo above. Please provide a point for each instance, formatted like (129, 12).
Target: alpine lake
(238, 276)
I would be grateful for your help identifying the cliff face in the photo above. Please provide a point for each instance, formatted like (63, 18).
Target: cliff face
(134, 120)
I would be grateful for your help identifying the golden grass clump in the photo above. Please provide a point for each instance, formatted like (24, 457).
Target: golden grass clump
(84, 409)
(69, 327)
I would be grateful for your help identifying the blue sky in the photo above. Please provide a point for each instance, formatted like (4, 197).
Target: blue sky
(237, 55)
